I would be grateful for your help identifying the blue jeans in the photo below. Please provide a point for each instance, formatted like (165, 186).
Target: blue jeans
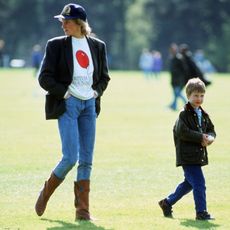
(77, 131)
(177, 93)
(194, 180)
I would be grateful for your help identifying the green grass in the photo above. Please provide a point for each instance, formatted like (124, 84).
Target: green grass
(134, 164)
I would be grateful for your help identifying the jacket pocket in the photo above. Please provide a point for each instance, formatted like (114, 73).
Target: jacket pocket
(191, 154)
(54, 107)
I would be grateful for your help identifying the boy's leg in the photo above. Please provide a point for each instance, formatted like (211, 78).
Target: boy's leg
(181, 190)
(195, 177)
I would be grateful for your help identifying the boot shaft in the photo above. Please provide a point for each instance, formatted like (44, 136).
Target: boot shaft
(81, 191)
(49, 187)
(51, 184)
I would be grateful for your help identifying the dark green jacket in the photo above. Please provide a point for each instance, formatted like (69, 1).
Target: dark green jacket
(188, 137)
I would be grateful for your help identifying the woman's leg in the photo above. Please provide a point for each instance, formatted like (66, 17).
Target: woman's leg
(68, 129)
(87, 126)
(87, 130)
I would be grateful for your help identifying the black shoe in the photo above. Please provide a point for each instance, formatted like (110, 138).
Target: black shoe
(166, 208)
(204, 216)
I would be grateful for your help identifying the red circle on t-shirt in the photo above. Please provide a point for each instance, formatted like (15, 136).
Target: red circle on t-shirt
(82, 59)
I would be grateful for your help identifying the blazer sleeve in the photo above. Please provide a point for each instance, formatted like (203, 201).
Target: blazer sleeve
(47, 75)
(103, 77)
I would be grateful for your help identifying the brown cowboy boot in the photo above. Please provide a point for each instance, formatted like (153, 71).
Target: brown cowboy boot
(49, 187)
(81, 191)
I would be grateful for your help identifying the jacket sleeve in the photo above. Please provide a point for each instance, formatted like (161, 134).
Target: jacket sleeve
(48, 69)
(210, 128)
(182, 131)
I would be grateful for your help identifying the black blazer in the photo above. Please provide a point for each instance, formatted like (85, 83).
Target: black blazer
(56, 72)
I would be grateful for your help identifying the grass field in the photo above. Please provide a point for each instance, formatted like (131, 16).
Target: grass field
(134, 164)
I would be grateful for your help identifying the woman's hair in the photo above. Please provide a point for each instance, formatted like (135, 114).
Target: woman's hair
(85, 28)
(194, 85)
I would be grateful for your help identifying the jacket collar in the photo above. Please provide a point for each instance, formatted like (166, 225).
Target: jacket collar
(92, 50)
(69, 53)
(188, 107)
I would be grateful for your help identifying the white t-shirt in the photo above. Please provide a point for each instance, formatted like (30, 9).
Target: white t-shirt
(81, 86)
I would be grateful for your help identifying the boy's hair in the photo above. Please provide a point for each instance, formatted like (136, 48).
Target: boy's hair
(194, 85)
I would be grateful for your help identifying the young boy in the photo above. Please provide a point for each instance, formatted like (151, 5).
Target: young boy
(193, 132)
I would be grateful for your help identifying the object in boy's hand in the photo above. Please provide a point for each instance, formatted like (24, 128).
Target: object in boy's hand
(211, 138)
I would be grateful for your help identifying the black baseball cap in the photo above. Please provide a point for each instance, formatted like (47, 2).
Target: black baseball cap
(72, 11)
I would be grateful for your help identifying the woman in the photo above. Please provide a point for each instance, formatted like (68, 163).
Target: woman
(74, 72)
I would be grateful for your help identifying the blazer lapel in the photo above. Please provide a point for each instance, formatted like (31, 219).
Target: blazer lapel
(69, 54)
(93, 53)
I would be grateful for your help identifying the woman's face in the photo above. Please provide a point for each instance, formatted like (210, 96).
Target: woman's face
(70, 28)
(196, 99)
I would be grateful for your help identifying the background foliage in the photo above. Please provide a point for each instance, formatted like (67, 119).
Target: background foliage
(126, 26)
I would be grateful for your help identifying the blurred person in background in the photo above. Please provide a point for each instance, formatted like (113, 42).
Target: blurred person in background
(178, 75)
(203, 63)
(36, 58)
(146, 63)
(157, 63)
(74, 73)
(191, 68)
(2, 44)
(4, 56)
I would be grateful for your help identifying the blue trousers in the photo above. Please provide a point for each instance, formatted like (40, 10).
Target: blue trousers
(77, 131)
(177, 93)
(194, 180)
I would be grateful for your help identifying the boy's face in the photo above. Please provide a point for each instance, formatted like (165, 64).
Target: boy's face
(196, 99)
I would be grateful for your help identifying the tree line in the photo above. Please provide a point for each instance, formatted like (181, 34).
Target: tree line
(127, 26)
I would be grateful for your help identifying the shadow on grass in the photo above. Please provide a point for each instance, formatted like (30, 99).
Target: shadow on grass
(199, 224)
(80, 225)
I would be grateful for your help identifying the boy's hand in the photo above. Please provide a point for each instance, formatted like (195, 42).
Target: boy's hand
(210, 139)
(207, 140)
